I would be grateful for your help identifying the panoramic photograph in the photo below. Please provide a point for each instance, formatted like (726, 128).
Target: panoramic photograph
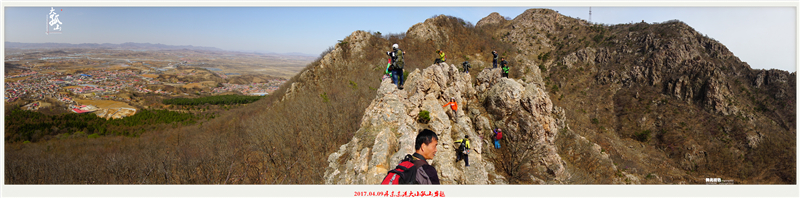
(400, 95)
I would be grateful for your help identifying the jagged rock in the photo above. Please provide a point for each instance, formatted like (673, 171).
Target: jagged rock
(504, 98)
(289, 92)
(394, 129)
(605, 77)
(753, 139)
(694, 158)
(718, 98)
(493, 18)
(759, 80)
(768, 77)
(487, 78)
(585, 55)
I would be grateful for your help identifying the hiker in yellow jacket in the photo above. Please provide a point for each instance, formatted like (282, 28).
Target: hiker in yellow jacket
(463, 150)
(441, 58)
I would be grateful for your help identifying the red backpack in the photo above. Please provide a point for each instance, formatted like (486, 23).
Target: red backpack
(498, 135)
(404, 173)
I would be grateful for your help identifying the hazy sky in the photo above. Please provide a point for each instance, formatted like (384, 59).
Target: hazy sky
(765, 37)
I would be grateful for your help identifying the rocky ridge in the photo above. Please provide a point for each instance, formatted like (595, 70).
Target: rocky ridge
(389, 127)
(619, 85)
(636, 76)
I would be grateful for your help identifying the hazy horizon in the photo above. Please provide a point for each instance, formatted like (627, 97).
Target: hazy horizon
(265, 52)
(750, 33)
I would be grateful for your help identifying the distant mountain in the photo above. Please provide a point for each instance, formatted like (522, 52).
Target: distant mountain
(142, 46)
(128, 45)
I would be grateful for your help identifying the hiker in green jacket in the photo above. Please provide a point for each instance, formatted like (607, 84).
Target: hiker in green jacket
(463, 150)
(504, 66)
(387, 73)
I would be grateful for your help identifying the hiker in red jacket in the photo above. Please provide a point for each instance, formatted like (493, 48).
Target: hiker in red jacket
(453, 106)
(498, 134)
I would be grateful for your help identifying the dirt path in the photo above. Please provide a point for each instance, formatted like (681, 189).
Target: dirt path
(104, 104)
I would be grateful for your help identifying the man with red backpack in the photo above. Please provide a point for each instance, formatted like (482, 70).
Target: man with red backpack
(498, 134)
(414, 169)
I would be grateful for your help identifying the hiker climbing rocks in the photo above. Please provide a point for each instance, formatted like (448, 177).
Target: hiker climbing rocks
(466, 66)
(494, 59)
(396, 67)
(498, 134)
(453, 106)
(441, 58)
(463, 150)
(414, 169)
(504, 66)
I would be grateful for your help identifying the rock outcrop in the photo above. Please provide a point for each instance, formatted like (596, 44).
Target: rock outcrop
(650, 104)
(430, 31)
(389, 127)
(493, 18)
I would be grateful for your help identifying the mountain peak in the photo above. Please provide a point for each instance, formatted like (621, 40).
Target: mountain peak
(493, 18)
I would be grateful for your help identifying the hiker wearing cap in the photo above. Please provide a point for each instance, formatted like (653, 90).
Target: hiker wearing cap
(397, 63)
(453, 106)
(463, 150)
(441, 58)
(494, 60)
(504, 66)
(498, 134)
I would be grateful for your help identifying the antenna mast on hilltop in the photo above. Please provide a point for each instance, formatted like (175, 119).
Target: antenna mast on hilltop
(590, 14)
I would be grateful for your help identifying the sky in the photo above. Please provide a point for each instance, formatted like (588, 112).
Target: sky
(764, 37)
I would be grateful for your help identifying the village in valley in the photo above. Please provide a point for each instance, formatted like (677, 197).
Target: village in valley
(116, 83)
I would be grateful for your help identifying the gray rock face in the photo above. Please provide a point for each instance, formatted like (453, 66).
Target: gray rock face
(529, 113)
(389, 127)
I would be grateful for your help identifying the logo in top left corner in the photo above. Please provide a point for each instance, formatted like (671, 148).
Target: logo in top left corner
(53, 25)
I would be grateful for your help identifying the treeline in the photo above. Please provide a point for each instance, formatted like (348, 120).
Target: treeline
(21, 125)
(213, 100)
